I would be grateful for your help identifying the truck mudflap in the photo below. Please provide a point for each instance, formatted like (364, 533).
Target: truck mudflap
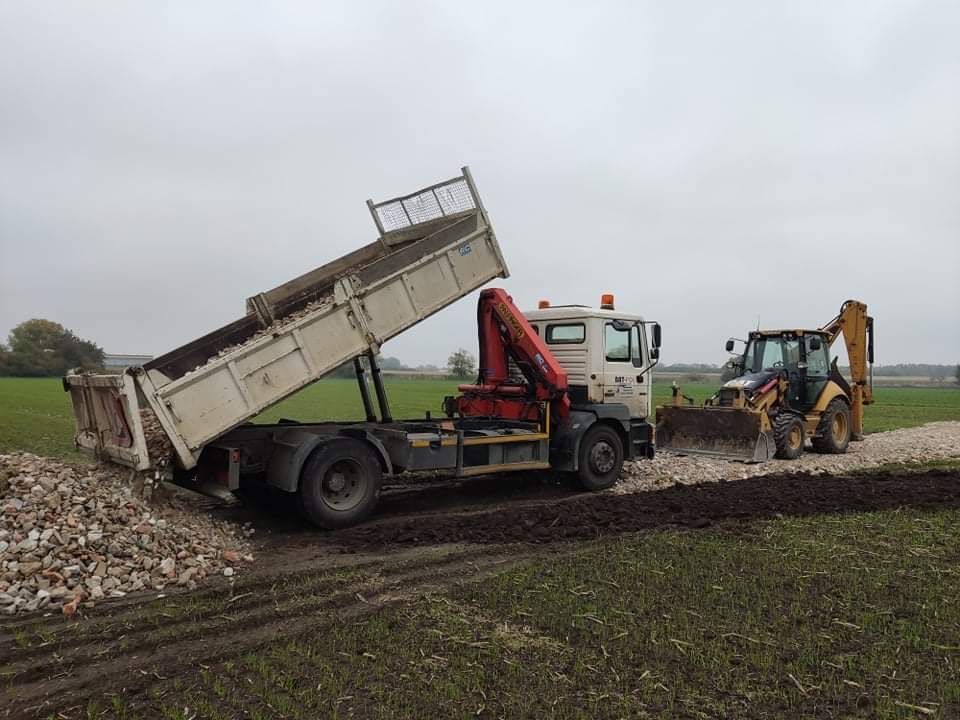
(107, 417)
(727, 433)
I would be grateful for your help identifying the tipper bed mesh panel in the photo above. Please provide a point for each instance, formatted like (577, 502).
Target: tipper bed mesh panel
(439, 201)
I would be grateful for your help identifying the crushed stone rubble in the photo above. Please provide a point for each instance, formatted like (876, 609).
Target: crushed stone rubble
(933, 441)
(159, 446)
(73, 535)
(276, 327)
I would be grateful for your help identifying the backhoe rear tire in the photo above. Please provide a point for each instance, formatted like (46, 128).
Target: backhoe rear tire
(833, 431)
(600, 458)
(788, 436)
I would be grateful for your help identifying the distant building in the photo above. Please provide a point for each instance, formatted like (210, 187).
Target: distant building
(118, 362)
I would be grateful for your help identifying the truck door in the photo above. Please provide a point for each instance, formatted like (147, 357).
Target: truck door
(622, 365)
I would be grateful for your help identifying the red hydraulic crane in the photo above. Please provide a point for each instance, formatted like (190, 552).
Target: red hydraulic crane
(506, 335)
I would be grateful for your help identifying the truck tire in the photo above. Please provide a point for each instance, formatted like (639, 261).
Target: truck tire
(340, 483)
(833, 431)
(600, 458)
(788, 436)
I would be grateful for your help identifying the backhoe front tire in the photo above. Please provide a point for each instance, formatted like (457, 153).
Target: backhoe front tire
(600, 458)
(788, 436)
(833, 431)
(340, 483)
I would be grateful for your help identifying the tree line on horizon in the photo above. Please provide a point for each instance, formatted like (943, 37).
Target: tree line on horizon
(43, 348)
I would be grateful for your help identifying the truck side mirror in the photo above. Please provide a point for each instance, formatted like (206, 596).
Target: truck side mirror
(815, 343)
(655, 353)
(656, 337)
(729, 345)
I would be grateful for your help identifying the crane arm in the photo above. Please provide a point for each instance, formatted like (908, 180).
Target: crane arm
(504, 335)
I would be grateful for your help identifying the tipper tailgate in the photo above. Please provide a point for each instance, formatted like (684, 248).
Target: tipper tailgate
(107, 415)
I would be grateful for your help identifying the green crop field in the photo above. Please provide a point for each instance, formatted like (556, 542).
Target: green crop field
(759, 624)
(848, 615)
(851, 613)
(35, 413)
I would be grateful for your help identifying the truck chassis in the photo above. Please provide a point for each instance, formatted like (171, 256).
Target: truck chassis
(337, 468)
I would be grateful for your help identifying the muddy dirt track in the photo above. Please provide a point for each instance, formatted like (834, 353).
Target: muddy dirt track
(507, 510)
(422, 539)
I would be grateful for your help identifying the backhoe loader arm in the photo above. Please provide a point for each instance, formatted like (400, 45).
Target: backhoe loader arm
(857, 330)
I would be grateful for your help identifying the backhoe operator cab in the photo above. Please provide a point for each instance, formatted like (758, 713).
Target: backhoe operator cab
(804, 357)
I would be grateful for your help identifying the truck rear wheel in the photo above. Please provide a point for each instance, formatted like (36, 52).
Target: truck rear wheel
(601, 458)
(340, 484)
(833, 431)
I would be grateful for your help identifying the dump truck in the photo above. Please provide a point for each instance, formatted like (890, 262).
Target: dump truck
(786, 390)
(186, 415)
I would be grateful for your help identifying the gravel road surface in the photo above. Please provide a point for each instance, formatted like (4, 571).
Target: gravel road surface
(933, 441)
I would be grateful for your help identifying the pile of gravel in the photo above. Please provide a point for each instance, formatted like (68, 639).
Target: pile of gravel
(71, 535)
(274, 329)
(933, 441)
(159, 447)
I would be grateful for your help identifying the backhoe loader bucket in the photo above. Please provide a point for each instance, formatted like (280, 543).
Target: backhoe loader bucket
(728, 433)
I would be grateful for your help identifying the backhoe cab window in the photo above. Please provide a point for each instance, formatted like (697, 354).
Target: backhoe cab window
(771, 354)
(818, 362)
(761, 354)
(571, 333)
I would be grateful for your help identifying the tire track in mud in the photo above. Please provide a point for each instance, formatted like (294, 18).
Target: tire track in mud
(133, 620)
(284, 603)
(137, 603)
(588, 516)
(52, 683)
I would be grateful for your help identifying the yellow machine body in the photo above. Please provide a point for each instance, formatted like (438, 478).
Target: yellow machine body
(755, 414)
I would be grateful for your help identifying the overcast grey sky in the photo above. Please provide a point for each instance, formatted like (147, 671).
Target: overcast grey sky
(705, 162)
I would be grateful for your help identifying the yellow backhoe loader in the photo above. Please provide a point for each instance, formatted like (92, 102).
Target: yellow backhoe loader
(785, 390)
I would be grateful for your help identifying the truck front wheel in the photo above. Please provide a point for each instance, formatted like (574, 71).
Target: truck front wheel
(601, 458)
(340, 484)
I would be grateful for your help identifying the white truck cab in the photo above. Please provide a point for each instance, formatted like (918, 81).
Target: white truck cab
(605, 352)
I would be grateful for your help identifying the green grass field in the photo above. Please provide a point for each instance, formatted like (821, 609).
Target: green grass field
(816, 616)
(35, 413)
(36, 416)
(765, 623)
(832, 616)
